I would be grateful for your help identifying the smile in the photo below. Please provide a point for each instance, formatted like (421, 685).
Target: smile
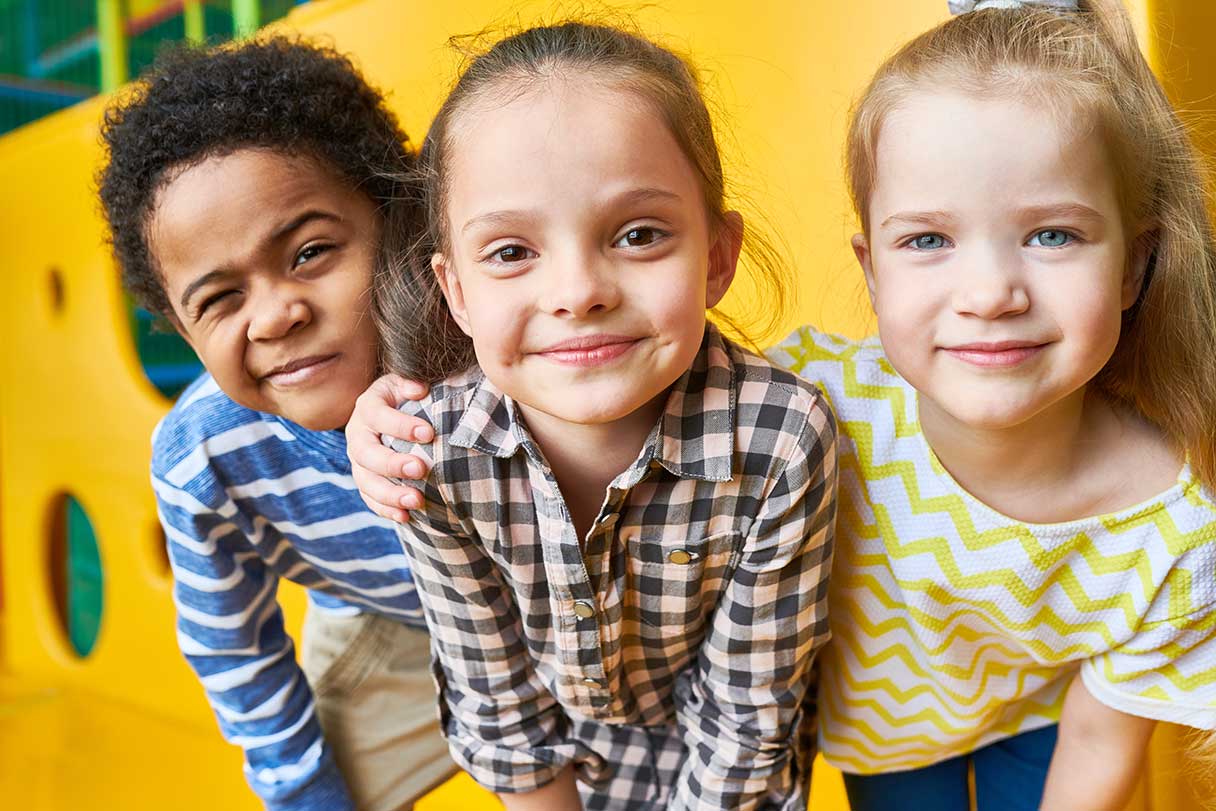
(591, 350)
(300, 372)
(997, 354)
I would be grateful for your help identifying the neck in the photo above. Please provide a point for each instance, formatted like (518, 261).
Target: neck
(585, 458)
(1020, 470)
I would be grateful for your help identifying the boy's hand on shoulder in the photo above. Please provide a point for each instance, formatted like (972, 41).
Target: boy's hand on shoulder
(374, 464)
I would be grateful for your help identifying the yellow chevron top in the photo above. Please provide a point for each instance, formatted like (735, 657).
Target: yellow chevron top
(955, 626)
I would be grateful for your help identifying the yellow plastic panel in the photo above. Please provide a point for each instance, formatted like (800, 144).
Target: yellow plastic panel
(127, 728)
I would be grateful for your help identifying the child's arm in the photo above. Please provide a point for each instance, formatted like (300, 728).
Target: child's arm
(230, 629)
(374, 465)
(741, 717)
(1099, 754)
(503, 725)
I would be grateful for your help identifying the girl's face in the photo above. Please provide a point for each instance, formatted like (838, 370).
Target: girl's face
(581, 257)
(997, 261)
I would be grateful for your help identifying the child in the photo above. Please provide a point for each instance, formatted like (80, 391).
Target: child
(627, 527)
(243, 190)
(1030, 533)
(1029, 454)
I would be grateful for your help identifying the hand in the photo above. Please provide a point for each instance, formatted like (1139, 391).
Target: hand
(371, 462)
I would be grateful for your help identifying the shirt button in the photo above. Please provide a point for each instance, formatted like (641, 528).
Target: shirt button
(679, 557)
(583, 610)
(591, 682)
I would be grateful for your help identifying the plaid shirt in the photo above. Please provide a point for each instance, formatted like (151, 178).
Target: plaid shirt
(667, 655)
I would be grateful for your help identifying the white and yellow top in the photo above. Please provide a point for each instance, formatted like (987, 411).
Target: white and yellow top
(955, 626)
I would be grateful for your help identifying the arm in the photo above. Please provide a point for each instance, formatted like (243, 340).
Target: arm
(373, 465)
(1099, 755)
(230, 628)
(740, 722)
(503, 725)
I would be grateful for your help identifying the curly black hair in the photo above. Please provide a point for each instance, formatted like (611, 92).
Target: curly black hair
(279, 93)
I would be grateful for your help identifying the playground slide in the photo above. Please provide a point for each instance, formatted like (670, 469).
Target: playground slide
(126, 726)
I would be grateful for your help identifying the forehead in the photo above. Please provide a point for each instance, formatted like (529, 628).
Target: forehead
(507, 143)
(987, 151)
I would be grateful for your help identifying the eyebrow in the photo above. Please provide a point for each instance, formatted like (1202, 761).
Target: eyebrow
(280, 231)
(1061, 211)
(630, 197)
(917, 218)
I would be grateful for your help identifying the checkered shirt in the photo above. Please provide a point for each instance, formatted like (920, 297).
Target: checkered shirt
(668, 654)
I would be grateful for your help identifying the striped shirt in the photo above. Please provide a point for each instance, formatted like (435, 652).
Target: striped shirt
(955, 626)
(247, 498)
(667, 654)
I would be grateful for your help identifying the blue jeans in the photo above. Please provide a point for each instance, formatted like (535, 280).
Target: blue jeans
(1009, 776)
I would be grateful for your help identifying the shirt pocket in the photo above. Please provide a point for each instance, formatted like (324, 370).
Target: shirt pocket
(675, 584)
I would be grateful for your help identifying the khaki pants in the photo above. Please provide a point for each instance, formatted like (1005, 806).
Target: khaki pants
(371, 678)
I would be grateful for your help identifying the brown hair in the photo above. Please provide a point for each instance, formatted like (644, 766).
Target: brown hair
(1088, 62)
(418, 335)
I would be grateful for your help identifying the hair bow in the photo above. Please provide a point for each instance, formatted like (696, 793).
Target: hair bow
(964, 6)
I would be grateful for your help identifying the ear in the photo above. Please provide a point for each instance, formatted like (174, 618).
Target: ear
(1142, 256)
(724, 258)
(453, 293)
(861, 249)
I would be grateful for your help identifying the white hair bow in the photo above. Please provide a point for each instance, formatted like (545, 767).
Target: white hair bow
(964, 6)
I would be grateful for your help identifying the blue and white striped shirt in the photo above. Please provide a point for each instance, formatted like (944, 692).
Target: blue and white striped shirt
(247, 498)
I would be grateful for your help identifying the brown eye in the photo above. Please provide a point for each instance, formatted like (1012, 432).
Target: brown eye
(511, 253)
(637, 238)
(310, 252)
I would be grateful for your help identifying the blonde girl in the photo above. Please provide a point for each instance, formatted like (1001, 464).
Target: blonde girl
(626, 538)
(1028, 529)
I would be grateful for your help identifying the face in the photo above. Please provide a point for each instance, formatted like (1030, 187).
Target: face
(267, 261)
(997, 262)
(581, 259)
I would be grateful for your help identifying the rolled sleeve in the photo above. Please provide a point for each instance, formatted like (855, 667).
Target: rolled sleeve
(741, 714)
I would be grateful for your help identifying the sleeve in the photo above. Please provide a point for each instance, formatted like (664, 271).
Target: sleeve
(503, 725)
(230, 629)
(1166, 671)
(741, 718)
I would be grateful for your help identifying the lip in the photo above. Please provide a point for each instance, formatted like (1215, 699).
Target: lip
(589, 350)
(300, 370)
(996, 354)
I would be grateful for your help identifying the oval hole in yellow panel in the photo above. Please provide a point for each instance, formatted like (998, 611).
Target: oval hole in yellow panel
(77, 580)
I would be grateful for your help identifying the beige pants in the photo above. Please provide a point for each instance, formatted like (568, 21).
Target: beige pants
(371, 677)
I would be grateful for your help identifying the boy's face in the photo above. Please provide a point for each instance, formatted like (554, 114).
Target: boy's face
(267, 261)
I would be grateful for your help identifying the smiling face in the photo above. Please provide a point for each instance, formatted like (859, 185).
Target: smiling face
(580, 254)
(997, 261)
(267, 260)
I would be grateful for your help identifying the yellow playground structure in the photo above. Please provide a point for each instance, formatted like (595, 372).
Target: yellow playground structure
(125, 725)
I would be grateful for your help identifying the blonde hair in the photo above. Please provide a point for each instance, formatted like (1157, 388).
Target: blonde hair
(1088, 61)
(418, 336)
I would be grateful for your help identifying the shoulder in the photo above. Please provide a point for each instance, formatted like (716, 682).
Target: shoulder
(445, 401)
(202, 424)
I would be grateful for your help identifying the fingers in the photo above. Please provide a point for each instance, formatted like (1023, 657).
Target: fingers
(386, 498)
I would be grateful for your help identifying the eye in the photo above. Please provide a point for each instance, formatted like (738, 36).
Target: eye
(927, 242)
(310, 252)
(214, 298)
(638, 238)
(509, 254)
(1050, 238)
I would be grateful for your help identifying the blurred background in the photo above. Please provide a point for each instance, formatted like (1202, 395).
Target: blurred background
(97, 708)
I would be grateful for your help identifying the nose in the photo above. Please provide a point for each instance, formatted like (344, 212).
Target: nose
(580, 285)
(994, 287)
(278, 311)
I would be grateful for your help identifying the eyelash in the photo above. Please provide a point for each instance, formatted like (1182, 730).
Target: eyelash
(318, 249)
(910, 242)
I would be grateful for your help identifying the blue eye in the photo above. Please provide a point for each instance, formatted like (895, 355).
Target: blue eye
(1051, 238)
(928, 242)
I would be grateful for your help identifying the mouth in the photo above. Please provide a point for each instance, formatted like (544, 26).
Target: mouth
(996, 354)
(299, 371)
(589, 350)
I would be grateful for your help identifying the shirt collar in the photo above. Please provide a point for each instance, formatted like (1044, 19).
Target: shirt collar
(330, 445)
(694, 438)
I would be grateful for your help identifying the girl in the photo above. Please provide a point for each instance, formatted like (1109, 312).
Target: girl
(627, 530)
(1028, 525)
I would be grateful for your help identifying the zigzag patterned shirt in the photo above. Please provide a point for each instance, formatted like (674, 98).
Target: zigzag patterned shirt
(247, 498)
(955, 626)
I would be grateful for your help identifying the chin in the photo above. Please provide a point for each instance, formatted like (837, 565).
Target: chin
(320, 417)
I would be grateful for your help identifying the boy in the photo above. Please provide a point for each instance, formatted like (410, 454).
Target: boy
(243, 192)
